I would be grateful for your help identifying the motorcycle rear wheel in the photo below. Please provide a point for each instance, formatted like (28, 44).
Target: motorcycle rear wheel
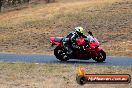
(60, 54)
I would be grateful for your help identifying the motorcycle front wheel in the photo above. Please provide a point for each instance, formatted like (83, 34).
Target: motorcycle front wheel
(101, 56)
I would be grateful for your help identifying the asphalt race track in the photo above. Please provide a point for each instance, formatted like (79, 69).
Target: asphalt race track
(36, 58)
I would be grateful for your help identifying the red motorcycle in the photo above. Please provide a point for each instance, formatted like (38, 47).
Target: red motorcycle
(92, 50)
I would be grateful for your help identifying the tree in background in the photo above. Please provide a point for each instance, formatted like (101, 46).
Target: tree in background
(9, 2)
(1, 3)
(48, 1)
(14, 2)
(26, 1)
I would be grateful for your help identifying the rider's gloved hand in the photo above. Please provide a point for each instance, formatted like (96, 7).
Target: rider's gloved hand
(86, 39)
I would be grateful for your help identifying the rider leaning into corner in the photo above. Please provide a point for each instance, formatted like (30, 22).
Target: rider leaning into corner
(69, 40)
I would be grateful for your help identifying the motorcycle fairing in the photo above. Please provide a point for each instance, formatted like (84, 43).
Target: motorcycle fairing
(56, 40)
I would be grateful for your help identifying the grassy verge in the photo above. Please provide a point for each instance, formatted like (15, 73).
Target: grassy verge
(29, 29)
(34, 75)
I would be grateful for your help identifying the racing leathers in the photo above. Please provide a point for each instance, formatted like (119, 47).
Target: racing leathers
(69, 42)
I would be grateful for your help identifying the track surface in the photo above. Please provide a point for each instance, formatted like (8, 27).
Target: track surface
(36, 58)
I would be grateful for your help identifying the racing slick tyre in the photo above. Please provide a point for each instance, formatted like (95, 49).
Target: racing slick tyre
(101, 56)
(60, 54)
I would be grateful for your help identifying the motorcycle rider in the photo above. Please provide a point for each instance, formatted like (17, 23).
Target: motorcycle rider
(69, 40)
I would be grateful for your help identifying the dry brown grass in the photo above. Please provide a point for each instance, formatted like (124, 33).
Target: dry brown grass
(28, 30)
(31, 75)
